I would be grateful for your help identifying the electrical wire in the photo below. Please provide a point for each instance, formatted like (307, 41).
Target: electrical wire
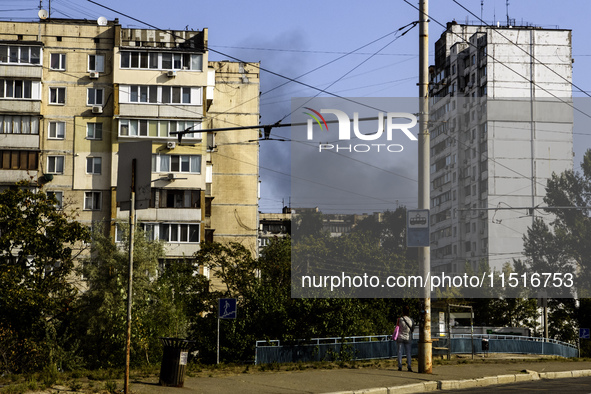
(526, 52)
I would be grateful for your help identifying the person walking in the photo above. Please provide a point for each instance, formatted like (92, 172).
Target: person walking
(404, 341)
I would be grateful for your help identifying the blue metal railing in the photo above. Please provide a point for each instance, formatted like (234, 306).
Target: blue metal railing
(380, 347)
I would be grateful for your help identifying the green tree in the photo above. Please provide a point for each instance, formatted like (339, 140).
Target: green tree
(102, 308)
(38, 246)
(563, 247)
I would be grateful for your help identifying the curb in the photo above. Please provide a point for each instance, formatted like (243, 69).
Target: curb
(469, 383)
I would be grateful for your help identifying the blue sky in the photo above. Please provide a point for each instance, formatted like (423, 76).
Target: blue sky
(293, 38)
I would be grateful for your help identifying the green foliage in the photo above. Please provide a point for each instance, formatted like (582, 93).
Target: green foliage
(564, 247)
(38, 246)
(102, 308)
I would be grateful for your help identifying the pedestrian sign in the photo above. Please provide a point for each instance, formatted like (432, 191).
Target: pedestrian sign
(584, 333)
(227, 308)
(417, 228)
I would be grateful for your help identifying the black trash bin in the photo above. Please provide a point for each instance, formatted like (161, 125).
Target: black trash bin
(485, 345)
(174, 361)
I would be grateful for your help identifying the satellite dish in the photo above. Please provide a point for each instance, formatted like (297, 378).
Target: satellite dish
(102, 21)
(43, 14)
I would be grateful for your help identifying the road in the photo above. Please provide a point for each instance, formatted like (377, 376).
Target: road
(573, 385)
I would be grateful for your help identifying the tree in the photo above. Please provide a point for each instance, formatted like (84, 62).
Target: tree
(102, 308)
(563, 248)
(39, 244)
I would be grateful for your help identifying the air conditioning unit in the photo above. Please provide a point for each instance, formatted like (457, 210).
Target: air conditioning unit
(94, 75)
(170, 145)
(170, 177)
(171, 73)
(97, 109)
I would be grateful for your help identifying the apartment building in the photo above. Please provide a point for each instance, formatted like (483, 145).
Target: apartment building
(500, 124)
(71, 91)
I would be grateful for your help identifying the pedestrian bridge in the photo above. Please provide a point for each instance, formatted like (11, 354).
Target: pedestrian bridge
(381, 347)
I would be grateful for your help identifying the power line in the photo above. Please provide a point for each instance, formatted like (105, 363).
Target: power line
(505, 65)
(524, 51)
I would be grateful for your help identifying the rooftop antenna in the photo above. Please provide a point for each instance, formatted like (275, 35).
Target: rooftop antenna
(494, 12)
(508, 20)
(481, 11)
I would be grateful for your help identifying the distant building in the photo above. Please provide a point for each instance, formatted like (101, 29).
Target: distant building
(500, 125)
(273, 225)
(71, 91)
(337, 224)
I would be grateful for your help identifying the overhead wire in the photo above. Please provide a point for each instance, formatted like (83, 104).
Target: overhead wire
(526, 52)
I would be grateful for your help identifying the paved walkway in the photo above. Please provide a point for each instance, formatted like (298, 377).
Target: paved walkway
(385, 379)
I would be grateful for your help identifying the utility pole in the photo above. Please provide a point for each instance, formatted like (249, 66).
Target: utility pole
(425, 344)
(130, 277)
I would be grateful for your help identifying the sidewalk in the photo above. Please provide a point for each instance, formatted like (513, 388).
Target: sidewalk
(497, 369)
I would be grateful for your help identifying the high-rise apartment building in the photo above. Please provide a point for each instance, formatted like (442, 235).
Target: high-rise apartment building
(71, 91)
(500, 123)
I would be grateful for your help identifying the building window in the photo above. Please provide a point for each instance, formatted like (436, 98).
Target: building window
(95, 96)
(93, 165)
(154, 94)
(18, 160)
(96, 63)
(57, 130)
(175, 198)
(156, 128)
(94, 131)
(59, 196)
(176, 163)
(55, 164)
(92, 201)
(172, 232)
(19, 124)
(162, 60)
(57, 61)
(20, 54)
(16, 89)
(57, 95)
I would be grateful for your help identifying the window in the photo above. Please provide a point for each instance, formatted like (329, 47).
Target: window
(57, 130)
(176, 163)
(57, 95)
(93, 165)
(20, 54)
(55, 164)
(175, 198)
(19, 124)
(59, 196)
(57, 61)
(172, 232)
(18, 160)
(92, 201)
(94, 131)
(95, 96)
(16, 89)
(96, 63)
(155, 94)
(156, 128)
(162, 60)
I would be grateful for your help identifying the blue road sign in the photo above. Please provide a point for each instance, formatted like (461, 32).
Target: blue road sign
(417, 228)
(584, 333)
(227, 308)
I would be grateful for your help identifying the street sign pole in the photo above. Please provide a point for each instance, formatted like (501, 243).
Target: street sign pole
(227, 309)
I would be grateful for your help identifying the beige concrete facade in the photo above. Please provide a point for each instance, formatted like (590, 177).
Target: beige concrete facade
(73, 91)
